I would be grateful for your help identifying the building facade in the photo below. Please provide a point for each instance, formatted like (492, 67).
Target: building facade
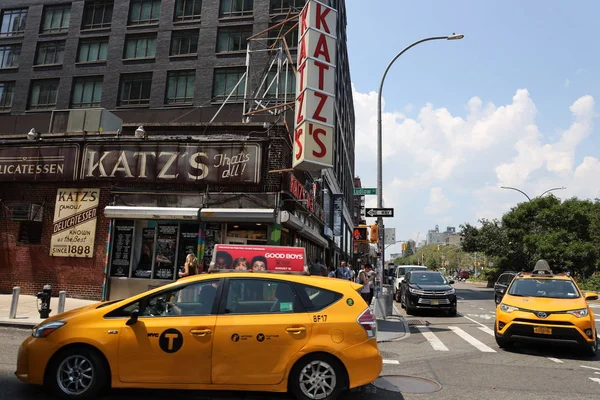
(125, 142)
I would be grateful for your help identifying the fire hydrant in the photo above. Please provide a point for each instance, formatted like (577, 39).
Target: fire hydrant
(44, 304)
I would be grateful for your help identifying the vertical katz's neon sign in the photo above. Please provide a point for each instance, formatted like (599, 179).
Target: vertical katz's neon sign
(315, 87)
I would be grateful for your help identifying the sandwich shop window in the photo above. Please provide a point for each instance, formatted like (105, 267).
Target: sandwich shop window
(147, 249)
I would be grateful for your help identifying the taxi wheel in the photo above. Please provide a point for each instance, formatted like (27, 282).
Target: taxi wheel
(593, 349)
(78, 373)
(317, 376)
(503, 343)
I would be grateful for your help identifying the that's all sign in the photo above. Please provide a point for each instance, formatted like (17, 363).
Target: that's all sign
(315, 83)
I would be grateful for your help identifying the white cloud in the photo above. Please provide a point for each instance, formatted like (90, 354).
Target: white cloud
(438, 202)
(439, 158)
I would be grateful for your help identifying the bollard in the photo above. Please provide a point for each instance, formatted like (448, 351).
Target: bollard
(62, 296)
(14, 302)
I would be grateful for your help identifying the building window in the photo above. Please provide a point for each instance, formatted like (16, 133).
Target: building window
(86, 92)
(92, 50)
(97, 14)
(184, 42)
(10, 55)
(180, 87)
(143, 12)
(30, 232)
(289, 31)
(140, 47)
(56, 19)
(236, 8)
(50, 53)
(233, 38)
(7, 90)
(135, 89)
(284, 6)
(188, 10)
(43, 94)
(225, 80)
(13, 22)
(287, 84)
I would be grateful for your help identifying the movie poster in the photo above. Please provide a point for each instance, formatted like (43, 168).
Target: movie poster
(258, 258)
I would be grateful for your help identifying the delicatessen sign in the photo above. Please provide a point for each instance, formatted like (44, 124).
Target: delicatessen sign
(39, 163)
(258, 258)
(74, 227)
(315, 96)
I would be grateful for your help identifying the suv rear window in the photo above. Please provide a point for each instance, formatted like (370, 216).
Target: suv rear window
(315, 298)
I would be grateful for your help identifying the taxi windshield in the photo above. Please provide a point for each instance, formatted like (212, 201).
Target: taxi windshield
(551, 288)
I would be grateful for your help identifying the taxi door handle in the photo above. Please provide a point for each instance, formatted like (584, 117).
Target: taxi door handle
(296, 331)
(200, 332)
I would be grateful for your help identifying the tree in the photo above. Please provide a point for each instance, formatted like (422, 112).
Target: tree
(470, 236)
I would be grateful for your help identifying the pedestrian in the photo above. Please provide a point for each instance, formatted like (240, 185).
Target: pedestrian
(371, 274)
(190, 267)
(317, 269)
(331, 273)
(363, 280)
(343, 271)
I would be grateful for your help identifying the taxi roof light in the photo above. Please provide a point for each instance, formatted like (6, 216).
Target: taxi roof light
(542, 268)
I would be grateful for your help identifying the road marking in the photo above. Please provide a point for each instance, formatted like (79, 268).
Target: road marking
(432, 339)
(396, 362)
(585, 366)
(472, 320)
(556, 360)
(482, 316)
(595, 305)
(597, 372)
(460, 298)
(481, 309)
(597, 380)
(472, 341)
(486, 330)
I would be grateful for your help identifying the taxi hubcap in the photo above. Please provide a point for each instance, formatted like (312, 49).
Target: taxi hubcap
(317, 380)
(75, 374)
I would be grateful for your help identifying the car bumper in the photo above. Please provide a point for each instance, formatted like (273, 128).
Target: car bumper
(32, 358)
(566, 334)
(363, 363)
(432, 302)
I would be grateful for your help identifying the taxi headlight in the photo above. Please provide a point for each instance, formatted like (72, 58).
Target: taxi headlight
(415, 291)
(508, 309)
(44, 330)
(451, 291)
(579, 313)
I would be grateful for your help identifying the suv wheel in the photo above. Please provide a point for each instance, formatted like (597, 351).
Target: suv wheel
(501, 341)
(592, 350)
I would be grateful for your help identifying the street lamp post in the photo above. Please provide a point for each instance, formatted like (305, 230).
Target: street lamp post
(379, 143)
(525, 194)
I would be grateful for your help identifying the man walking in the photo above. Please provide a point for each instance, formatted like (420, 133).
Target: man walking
(343, 272)
(316, 268)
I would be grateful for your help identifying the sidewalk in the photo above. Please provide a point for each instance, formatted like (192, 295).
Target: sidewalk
(27, 311)
(390, 328)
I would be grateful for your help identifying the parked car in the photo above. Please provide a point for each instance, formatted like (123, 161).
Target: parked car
(401, 271)
(427, 290)
(502, 284)
(310, 335)
(464, 275)
(545, 307)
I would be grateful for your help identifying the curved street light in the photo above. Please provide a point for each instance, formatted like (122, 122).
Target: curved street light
(454, 36)
(525, 194)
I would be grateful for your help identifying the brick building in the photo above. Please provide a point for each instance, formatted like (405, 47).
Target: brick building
(106, 204)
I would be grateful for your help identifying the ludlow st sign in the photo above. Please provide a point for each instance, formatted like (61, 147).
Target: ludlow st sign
(315, 87)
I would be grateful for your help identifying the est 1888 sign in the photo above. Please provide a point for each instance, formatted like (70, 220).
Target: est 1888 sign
(313, 133)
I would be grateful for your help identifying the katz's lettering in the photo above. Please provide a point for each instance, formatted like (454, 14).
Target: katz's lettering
(316, 133)
(235, 163)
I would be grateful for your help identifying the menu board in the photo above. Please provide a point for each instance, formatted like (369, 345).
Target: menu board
(166, 245)
(144, 265)
(212, 237)
(188, 243)
(121, 248)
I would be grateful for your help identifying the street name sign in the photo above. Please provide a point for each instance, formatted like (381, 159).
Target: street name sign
(364, 191)
(379, 212)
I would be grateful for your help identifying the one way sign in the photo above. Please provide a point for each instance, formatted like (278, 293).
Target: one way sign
(379, 212)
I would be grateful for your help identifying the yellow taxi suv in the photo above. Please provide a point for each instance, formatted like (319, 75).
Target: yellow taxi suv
(546, 307)
(311, 336)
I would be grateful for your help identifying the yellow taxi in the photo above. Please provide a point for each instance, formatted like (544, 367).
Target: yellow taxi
(547, 307)
(311, 336)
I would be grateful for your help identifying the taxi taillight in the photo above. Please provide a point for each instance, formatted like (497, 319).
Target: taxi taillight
(368, 323)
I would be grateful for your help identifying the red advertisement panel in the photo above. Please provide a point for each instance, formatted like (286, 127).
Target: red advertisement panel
(258, 258)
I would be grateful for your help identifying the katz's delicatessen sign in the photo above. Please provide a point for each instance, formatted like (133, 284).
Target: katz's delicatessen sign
(315, 87)
(74, 227)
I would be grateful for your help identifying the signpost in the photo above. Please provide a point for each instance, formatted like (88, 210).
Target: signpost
(379, 212)
(364, 191)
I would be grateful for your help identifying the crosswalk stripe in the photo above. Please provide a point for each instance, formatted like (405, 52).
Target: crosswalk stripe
(486, 330)
(471, 340)
(431, 338)
(391, 362)
(556, 360)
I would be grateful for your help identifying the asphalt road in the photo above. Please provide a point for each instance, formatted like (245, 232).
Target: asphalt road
(458, 356)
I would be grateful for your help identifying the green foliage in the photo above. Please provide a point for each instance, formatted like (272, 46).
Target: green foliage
(592, 283)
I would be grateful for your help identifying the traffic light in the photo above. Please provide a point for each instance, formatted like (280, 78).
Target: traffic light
(360, 234)
(374, 233)
(403, 246)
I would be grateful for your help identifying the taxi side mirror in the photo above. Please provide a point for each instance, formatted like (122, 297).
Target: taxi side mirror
(135, 314)
(591, 296)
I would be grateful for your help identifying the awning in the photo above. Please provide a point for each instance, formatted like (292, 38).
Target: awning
(239, 215)
(171, 213)
(295, 223)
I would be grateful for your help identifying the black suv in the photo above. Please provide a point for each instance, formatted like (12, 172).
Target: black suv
(427, 290)
(502, 284)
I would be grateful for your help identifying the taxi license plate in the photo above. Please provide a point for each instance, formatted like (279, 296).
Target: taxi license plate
(542, 330)
(435, 302)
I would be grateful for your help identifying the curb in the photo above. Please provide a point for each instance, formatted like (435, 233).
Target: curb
(21, 325)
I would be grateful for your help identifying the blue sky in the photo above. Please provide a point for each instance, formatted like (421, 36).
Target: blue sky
(511, 104)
